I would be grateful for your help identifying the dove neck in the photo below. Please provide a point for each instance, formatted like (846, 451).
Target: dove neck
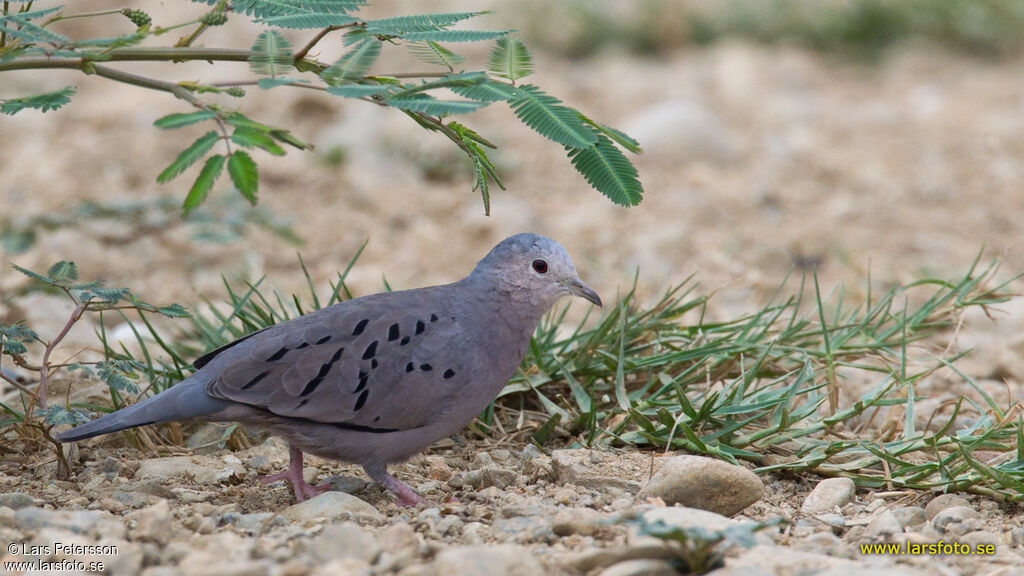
(517, 309)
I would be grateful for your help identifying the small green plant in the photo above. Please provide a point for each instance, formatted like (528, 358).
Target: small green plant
(28, 42)
(699, 550)
(34, 415)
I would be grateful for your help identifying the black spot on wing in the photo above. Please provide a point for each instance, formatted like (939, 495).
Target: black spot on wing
(433, 317)
(312, 384)
(337, 355)
(324, 340)
(420, 327)
(405, 340)
(361, 400)
(449, 373)
(373, 364)
(363, 379)
(302, 402)
(426, 367)
(255, 380)
(360, 327)
(370, 350)
(279, 354)
(393, 332)
(409, 367)
(303, 345)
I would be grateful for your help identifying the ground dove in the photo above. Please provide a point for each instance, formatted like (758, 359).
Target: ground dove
(376, 379)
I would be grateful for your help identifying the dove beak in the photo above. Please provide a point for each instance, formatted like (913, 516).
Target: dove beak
(578, 288)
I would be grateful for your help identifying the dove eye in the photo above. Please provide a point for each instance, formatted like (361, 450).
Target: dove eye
(540, 266)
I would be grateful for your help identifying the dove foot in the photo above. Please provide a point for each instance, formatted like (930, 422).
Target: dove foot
(303, 490)
(406, 496)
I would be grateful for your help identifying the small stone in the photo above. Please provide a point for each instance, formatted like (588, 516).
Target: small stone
(940, 503)
(16, 500)
(641, 567)
(705, 483)
(398, 537)
(152, 524)
(199, 469)
(343, 567)
(332, 506)
(582, 521)
(253, 524)
(497, 477)
(828, 495)
(910, 515)
(345, 540)
(90, 522)
(884, 524)
(957, 520)
(575, 467)
(349, 484)
(1017, 537)
(833, 520)
(503, 559)
(981, 538)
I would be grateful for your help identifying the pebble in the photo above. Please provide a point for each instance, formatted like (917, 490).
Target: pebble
(583, 521)
(503, 559)
(706, 483)
(345, 540)
(152, 524)
(910, 515)
(16, 500)
(641, 567)
(941, 502)
(343, 567)
(1017, 537)
(199, 469)
(578, 467)
(957, 520)
(91, 522)
(884, 524)
(828, 495)
(253, 524)
(981, 537)
(332, 506)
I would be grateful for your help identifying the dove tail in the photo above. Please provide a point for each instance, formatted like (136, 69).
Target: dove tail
(186, 400)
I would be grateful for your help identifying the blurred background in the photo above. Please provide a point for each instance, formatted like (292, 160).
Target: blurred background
(857, 136)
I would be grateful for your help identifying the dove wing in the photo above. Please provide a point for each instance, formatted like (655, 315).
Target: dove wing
(377, 362)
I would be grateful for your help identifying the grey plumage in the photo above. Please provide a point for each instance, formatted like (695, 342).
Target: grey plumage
(376, 379)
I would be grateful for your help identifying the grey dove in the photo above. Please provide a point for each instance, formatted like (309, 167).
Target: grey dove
(377, 379)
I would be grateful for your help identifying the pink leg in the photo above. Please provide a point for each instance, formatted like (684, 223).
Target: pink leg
(293, 474)
(406, 496)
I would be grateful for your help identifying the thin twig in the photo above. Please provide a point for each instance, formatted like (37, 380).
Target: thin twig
(18, 385)
(44, 374)
(301, 54)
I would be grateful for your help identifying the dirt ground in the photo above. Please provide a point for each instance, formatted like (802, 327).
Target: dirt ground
(758, 161)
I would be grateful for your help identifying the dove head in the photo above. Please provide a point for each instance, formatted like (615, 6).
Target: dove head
(534, 269)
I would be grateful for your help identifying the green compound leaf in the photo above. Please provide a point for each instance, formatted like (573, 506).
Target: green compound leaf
(454, 35)
(510, 59)
(43, 102)
(486, 92)
(433, 53)
(204, 183)
(172, 121)
(357, 90)
(401, 25)
(63, 272)
(272, 54)
(188, 157)
(549, 118)
(354, 64)
(244, 174)
(312, 19)
(433, 107)
(255, 138)
(609, 171)
(272, 8)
